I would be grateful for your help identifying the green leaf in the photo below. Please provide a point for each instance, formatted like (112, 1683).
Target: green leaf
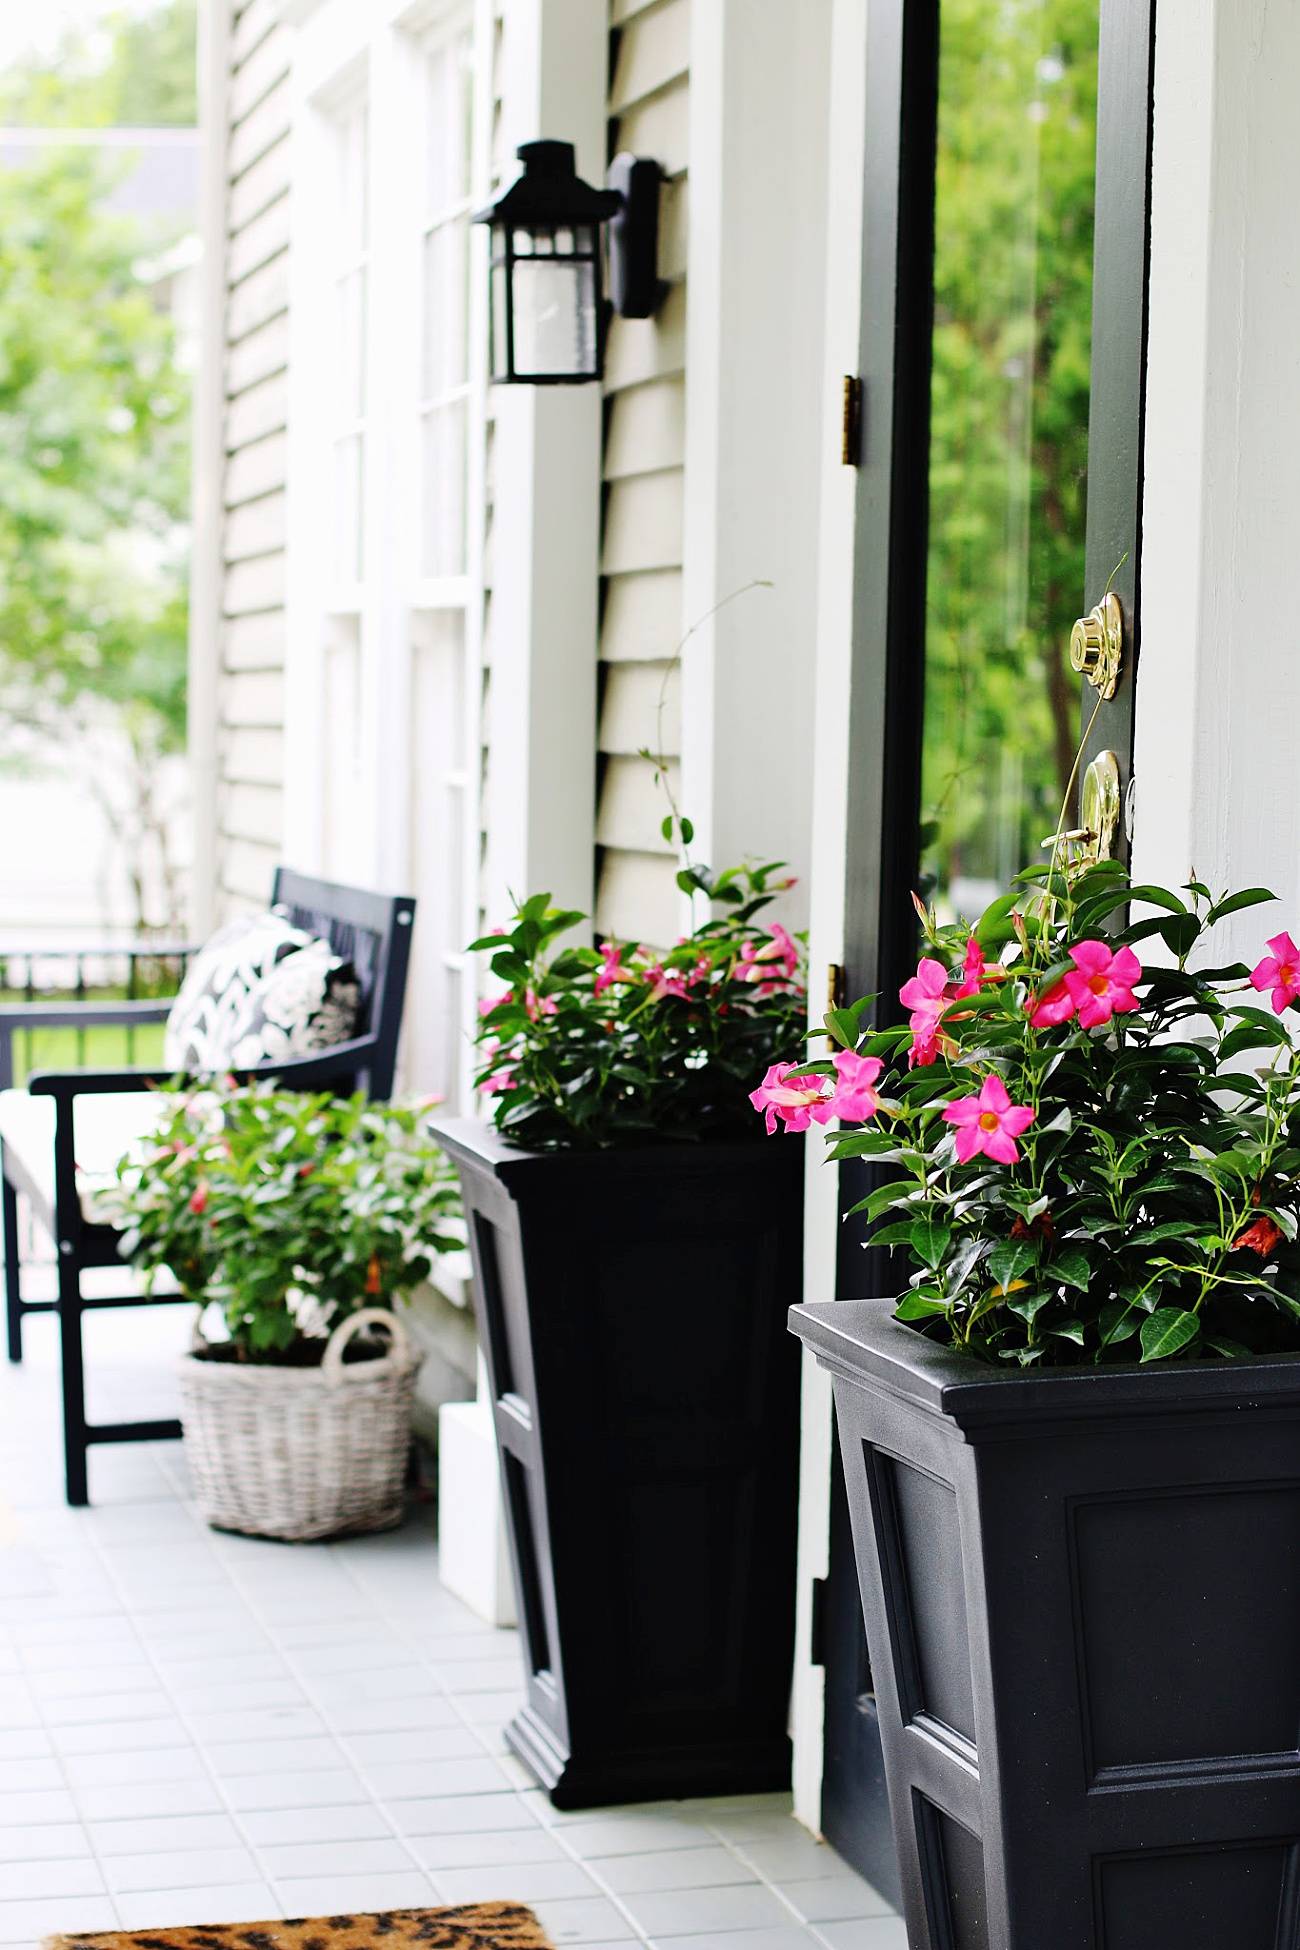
(919, 1306)
(1071, 1268)
(929, 1240)
(1069, 1330)
(1230, 1350)
(687, 831)
(1248, 897)
(1027, 1304)
(666, 827)
(1009, 1260)
(842, 1024)
(1118, 1321)
(1166, 1332)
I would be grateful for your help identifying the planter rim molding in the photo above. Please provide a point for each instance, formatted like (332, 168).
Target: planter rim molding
(472, 1138)
(849, 1336)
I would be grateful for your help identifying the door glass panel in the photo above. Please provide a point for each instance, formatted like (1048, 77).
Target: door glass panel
(1009, 435)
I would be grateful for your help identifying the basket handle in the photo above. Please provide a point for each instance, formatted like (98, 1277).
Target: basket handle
(332, 1359)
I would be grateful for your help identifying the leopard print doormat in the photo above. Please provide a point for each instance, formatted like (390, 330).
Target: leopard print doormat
(481, 1926)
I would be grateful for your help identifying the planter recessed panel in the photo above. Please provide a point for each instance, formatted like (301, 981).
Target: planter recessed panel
(1220, 1681)
(646, 1393)
(1213, 1899)
(1082, 1598)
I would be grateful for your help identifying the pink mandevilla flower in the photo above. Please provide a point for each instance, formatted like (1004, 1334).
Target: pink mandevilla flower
(611, 969)
(926, 995)
(540, 1005)
(972, 969)
(854, 1097)
(773, 966)
(796, 1099)
(1100, 984)
(1279, 971)
(664, 982)
(989, 1123)
(1053, 1005)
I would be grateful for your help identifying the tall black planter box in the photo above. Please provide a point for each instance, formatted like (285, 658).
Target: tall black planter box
(631, 1308)
(1082, 1597)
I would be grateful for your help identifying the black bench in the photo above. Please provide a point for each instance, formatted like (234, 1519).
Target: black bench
(38, 1148)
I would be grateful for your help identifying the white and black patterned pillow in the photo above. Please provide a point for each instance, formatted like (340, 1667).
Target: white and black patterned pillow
(261, 990)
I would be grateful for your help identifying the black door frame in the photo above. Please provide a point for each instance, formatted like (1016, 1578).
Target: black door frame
(887, 666)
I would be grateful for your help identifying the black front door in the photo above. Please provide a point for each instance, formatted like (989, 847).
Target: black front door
(1002, 359)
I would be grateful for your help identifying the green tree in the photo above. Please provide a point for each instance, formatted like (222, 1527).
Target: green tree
(136, 71)
(93, 481)
(1009, 426)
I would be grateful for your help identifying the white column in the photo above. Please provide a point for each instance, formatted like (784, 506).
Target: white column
(205, 651)
(755, 426)
(834, 619)
(1218, 687)
(546, 525)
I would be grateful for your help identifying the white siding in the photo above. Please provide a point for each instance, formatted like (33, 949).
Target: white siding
(250, 693)
(641, 598)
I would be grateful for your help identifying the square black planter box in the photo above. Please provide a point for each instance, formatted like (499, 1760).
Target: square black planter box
(631, 1309)
(1082, 1598)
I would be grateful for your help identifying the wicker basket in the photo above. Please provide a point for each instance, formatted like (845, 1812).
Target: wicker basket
(297, 1453)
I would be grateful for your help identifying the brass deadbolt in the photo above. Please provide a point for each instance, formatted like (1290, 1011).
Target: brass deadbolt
(1100, 805)
(1097, 644)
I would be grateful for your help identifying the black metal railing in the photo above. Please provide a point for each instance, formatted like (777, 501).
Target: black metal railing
(74, 1007)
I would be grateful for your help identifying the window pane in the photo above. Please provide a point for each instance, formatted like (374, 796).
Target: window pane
(347, 507)
(443, 511)
(1009, 434)
(446, 308)
(352, 345)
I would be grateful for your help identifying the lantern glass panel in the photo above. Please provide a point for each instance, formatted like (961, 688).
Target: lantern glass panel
(555, 318)
(500, 298)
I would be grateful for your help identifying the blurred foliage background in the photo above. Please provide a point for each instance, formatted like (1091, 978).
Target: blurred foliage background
(94, 428)
(1009, 432)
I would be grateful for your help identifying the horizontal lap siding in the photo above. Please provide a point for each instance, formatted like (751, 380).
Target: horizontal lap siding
(641, 585)
(250, 739)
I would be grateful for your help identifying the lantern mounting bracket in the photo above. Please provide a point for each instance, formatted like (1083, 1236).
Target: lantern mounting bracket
(635, 287)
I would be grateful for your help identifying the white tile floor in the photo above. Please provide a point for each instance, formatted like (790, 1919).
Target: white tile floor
(198, 1728)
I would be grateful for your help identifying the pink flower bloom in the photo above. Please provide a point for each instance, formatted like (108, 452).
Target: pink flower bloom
(539, 1005)
(774, 965)
(498, 1081)
(928, 1039)
(990, 1123)
(928, 987)
(611, 969)
(1100, 984)
(1053, 1005)
(854, 1097)
(1280, 972)
(663, 982)
(793, 1097)
(491, 1002)
(972, 969)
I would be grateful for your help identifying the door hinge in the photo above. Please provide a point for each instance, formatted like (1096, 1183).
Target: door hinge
(851, 422)
(817, 1637)
(834, 985)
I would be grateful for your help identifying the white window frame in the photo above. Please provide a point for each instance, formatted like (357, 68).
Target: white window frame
(345, 49)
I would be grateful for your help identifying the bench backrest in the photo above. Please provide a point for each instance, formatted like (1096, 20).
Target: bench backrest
(373, 932)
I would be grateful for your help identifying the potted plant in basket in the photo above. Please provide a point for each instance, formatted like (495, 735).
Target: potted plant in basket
(299, 1220)
(1072, 1448)
(633, 1250)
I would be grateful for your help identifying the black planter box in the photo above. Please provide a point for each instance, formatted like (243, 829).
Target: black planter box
(1082, 1598)
(631, 1309)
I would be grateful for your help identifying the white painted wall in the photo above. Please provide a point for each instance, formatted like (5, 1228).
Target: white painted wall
(1218, 687)
(829, 740)
(756, 427)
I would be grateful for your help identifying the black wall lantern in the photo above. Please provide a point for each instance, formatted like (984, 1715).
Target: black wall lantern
(546, 302)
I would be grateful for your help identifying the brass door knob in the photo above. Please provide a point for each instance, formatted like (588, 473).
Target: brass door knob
(1097, 644)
